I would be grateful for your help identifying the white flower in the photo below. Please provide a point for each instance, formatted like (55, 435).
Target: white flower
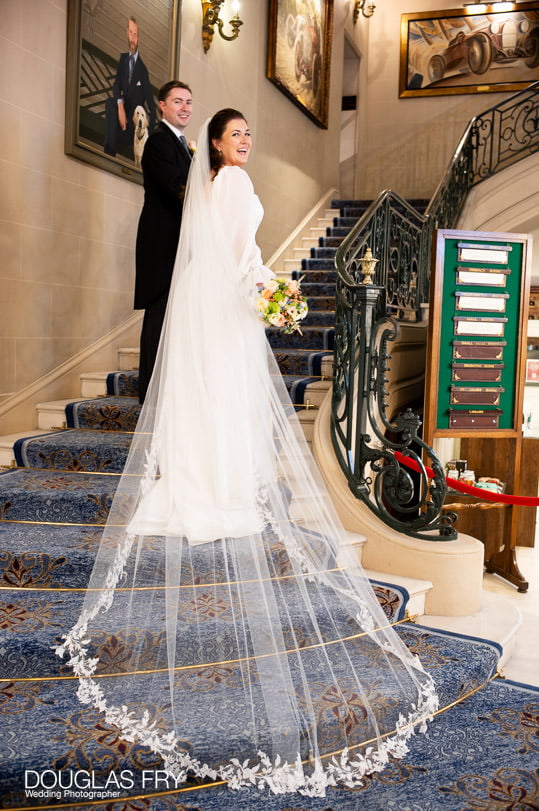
(275, 319)
(261, 304)
(273, 285)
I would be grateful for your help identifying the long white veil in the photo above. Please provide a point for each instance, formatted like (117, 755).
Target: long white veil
(225, 627)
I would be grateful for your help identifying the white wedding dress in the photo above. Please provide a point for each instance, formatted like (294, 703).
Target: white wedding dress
(225, 627)
(215, 382)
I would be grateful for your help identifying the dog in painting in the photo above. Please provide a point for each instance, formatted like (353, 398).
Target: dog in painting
(140, 120)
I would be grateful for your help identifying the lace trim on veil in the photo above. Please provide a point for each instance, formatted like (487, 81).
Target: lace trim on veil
(278, 776)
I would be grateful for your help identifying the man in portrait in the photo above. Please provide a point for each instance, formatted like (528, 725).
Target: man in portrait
(131, 90)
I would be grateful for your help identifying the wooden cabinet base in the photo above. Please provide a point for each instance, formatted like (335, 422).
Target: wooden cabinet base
(494, 523)
(504, 563)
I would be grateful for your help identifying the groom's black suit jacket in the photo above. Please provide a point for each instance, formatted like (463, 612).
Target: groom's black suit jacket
(165, 165)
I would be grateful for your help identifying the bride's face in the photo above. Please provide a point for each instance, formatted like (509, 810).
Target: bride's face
(235, 143)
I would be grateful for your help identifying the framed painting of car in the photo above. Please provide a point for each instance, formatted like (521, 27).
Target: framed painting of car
(118, 55)
(476, 49)
(299, 53)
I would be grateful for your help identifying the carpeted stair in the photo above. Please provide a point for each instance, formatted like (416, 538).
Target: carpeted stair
(100, 450)
(114, 413)
(481, 752)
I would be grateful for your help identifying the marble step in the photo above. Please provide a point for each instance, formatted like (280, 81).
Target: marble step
(7, 456)
(315, 393)
(309, 240)
(52, 414)
(498, 619)
(307, 418)
(93, 384)
(416, 588)
(128, 358)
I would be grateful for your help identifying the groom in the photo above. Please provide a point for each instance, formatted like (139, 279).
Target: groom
(165, 165)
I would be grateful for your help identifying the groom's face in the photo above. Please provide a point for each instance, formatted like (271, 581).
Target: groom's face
(177, 108)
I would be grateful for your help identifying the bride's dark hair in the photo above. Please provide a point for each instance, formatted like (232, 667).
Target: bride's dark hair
(216, 127)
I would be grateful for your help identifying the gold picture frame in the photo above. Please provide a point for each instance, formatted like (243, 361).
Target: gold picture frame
(299, 54)
(96, 48)
(475, 49)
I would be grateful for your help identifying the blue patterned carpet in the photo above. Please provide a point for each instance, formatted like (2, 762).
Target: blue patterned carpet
(91, 450)
(482, 756)
(481, 752)
(104, 414)
(46, 495)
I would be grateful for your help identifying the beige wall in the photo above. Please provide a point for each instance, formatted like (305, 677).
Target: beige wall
(293, 161)
(67, 230)
(406, 144)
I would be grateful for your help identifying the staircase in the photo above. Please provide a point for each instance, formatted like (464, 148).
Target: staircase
(108, 399)
(58, 494)
(90, 434)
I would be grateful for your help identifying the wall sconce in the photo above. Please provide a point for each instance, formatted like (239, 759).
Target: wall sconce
(210, 18)
(360, 6)
(368, 264)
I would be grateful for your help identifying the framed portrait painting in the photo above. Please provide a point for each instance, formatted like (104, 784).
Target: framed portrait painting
(475, 49)
(119, 52)
(299, 53)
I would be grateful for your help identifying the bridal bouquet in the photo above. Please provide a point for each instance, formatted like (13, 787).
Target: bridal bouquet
(280, 304)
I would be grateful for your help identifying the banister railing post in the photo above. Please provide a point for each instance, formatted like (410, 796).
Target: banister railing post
(368, 298)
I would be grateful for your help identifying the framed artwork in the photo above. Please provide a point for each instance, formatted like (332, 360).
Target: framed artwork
(464, 51)
(532, 370)
(299, 53)
(111, 98)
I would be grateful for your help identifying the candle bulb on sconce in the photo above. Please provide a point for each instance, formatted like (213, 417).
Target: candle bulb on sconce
(210, 18)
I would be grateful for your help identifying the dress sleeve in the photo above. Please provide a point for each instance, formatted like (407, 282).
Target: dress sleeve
(240, 212)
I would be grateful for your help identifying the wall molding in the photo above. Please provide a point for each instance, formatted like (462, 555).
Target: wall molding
(17, 412)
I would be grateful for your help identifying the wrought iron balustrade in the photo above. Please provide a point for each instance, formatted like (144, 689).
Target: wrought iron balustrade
(493, 140)
(365, 437)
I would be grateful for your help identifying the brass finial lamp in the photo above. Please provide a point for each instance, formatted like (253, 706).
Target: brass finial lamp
(368, 264)
(361, 7)
(210, 19)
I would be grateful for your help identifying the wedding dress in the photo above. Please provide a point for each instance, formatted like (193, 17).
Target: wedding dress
(225, 627)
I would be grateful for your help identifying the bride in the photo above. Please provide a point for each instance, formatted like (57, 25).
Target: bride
(225, 628)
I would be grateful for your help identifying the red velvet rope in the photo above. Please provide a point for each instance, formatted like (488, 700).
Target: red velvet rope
(478, 492)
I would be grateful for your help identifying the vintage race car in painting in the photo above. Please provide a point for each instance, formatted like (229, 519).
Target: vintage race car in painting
(502, 41)
(472, 49)
(303, 35)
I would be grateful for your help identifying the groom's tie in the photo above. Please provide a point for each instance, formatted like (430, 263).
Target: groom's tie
(183, 142)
